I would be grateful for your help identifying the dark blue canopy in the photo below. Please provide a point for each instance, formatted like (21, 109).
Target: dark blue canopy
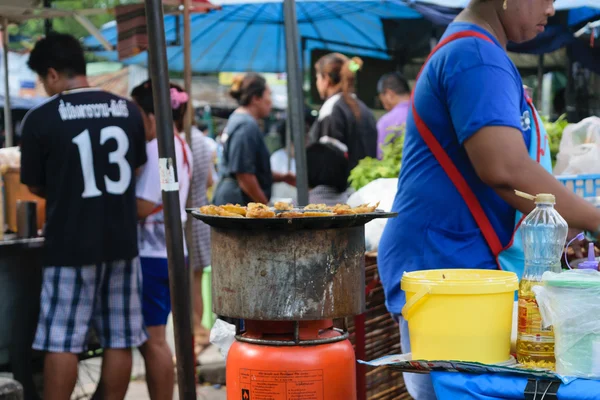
(558, 34)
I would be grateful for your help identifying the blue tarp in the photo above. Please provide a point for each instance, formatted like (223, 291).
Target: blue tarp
(22, 103)
(558, 34)
(250, 37)
(559, 4)
(452, 386)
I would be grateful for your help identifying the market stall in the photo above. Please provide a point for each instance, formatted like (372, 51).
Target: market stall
(467, 334)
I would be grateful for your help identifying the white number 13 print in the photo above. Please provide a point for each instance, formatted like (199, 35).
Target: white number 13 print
(84, 143)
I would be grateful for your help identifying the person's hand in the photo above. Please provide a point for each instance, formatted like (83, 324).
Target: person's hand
(290, 179)
(577, 245)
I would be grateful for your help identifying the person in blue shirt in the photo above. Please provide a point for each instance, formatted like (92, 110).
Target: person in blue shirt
(472, 138)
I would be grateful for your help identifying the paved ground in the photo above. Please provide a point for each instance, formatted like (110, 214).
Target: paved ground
(137, 391)
(89, 372)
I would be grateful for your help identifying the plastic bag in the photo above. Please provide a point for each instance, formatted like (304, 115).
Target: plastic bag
(382, 191)
(10, 157)
(222, 335)
(579, 151)
(568, 302)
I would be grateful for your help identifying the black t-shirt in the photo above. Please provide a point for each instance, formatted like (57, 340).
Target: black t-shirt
(82, 148)
(337, 121)
(244, 152)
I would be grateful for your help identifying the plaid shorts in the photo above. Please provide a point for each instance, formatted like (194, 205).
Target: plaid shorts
(107, 296)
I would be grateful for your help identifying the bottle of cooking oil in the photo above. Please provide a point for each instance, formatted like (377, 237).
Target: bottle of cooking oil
(544, 233)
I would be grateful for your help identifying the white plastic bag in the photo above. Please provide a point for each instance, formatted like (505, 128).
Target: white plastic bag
(10, 157)
(568, 302)
(222, 335)
(382, 191)
(579, 151)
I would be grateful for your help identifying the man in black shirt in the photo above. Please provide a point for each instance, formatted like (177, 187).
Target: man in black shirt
(80, 151)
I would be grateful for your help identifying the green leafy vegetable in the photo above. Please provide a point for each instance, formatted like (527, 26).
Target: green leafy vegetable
(370, 169)
(555, 131)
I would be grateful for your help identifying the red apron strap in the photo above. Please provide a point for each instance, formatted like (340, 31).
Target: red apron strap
(448, 166)
(538, 132)
(186, 163)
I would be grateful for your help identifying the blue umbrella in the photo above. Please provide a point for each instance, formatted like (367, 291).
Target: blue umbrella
(250, 36)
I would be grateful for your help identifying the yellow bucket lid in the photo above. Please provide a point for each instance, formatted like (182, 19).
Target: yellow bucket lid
(460, 281)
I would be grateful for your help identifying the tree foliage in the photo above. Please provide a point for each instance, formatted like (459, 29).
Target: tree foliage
(31, 30)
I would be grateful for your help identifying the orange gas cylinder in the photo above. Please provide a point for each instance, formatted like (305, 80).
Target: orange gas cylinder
(308, 360)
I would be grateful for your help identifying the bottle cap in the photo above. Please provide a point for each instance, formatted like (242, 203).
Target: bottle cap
(544, 198)
(591, 262)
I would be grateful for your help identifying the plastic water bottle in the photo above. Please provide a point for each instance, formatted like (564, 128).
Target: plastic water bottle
(544, 234)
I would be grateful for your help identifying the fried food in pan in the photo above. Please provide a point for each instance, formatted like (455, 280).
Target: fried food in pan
(316, 207)
(282, 206)
(343, 209)
(218, 212)
(225, 213)
(260, 213)
(257, 210)
(257, 206)
(291, 214)
(308, 214)
(236, 209)
(365, 208)
(210, 210)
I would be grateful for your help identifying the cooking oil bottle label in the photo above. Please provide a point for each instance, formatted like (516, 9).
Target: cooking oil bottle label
(530, 325)
(281, 385)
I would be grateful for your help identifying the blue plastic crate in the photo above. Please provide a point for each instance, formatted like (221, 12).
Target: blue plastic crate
(586, 186)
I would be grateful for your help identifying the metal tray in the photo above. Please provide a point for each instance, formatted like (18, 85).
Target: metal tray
(333, 222)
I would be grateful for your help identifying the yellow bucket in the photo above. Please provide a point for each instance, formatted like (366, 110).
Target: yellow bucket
(460, 314)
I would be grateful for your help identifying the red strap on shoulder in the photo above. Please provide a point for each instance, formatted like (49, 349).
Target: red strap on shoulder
(540, 149)
(448, 166)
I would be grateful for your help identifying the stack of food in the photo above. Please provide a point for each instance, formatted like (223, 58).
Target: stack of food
(285, 210)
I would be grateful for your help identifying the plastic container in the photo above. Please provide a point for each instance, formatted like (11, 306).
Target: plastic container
(590, 263)
(460, 314)
(569, 302)
(208, 317)
(586, 186)
(544, 234)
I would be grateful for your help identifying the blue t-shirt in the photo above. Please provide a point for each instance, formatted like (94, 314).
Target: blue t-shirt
(467, 85)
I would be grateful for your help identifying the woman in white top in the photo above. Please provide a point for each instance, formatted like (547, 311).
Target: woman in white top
(156, 304)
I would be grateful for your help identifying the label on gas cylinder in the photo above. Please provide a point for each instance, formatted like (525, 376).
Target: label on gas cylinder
(281, 385)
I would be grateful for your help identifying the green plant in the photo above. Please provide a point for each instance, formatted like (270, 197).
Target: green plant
(370, 169)
(555, 131)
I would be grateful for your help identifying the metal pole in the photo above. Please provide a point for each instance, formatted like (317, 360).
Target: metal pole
(48, 21)
(570, 91)
(178, 274)
(187, 69)
(295, 98)
(8, 125)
